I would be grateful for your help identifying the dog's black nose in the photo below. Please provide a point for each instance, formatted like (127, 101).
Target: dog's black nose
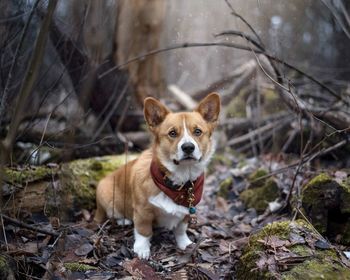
(187, 147)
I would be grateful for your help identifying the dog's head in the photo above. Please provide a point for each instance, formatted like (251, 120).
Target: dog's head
(183, 139)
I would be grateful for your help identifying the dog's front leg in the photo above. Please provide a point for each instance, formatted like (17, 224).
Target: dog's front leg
(143, 235)
(182, 240)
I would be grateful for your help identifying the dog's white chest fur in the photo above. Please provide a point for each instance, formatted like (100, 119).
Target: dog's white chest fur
(171, 213)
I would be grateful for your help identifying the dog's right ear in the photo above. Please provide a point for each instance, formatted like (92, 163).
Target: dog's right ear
(154, 112)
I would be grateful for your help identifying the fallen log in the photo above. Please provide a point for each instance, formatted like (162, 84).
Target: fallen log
(263, 129)
(56, 190)
(219, 84)
(239, 124)
(182, 97)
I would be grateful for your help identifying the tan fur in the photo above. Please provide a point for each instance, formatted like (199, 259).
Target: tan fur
(126, 191)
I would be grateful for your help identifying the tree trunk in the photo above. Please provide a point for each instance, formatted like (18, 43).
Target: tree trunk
(144, 20)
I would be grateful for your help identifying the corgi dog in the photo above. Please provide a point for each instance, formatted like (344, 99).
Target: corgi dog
(163, 185)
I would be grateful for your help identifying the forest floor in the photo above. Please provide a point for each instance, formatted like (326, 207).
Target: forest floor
(87, 251)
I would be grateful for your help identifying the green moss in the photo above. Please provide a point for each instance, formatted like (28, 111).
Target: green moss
(280, 229)
(301, 250)
(320, 179)
(257, 179)
(75, 266)
(259, 197)
(224, 187)
(28, 174)
(317, 268)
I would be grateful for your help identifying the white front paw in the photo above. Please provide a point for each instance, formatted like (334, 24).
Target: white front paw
(142, 252)
(183, 241)
(142, 245)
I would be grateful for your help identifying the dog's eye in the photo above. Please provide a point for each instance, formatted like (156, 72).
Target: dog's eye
(172, 134)
(197, 132)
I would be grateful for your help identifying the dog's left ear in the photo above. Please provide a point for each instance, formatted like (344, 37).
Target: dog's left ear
(154, 112)
(209, 107)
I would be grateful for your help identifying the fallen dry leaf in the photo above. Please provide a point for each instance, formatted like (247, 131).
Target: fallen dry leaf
(140, 269)
(274, 242)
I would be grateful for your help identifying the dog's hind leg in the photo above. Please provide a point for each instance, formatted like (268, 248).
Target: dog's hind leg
(100, 215)
(120, 219)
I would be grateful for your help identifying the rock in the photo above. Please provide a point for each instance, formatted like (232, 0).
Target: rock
(286, 250)
(257, 179)
(326, 203)
(260, 192)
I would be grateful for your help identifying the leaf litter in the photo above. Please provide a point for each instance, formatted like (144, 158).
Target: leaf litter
(84, 250)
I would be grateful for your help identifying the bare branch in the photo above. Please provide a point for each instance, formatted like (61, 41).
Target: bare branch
(14, 62)
(226, 45)
(31, 75)
(30, 227)
(245, 22)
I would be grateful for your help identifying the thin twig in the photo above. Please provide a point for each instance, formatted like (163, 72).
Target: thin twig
(102, 227)
(310, 224)
(42, 137)
(4, 232)
(30, 227)
(337, 18)
(245, 22)
(241, 34)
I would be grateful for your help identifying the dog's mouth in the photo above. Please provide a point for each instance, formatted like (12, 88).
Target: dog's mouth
(186, 159)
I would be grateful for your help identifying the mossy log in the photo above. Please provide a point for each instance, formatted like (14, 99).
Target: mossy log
(326, 202)
(290, 251)
(57, 190)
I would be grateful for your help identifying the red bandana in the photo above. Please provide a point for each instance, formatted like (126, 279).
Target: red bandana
(178, 196)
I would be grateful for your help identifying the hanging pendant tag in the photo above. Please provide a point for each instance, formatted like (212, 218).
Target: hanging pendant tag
(193, 220)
